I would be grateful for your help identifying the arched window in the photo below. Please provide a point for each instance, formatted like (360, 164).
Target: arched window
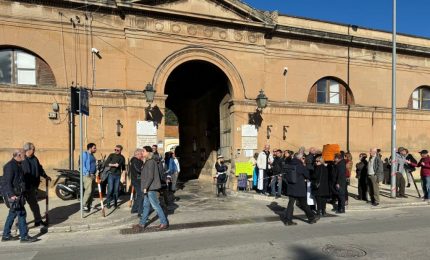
(330, 90)
(420, 98)
(18, 67)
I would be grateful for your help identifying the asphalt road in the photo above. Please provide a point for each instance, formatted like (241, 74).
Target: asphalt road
(377, 234)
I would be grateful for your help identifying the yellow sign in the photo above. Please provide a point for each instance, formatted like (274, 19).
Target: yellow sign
(244, 167)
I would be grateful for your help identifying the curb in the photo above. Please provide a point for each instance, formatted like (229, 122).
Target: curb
(349, 207)
(84, 227)
(92, 226)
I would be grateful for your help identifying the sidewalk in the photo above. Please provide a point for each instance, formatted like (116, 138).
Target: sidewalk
(196, 203)
(196, 206)
(355, 205)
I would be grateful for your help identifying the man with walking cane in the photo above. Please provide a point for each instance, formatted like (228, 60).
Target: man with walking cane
(33, 170)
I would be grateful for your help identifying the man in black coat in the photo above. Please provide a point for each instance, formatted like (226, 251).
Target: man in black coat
(33, 170)
(339, 181)
(276, 179)
(296, 174)
(13, 190)
(136, 165)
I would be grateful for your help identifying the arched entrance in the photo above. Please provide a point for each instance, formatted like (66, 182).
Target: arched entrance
(197, 91)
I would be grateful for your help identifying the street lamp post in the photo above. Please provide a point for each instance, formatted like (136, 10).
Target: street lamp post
(393, 109)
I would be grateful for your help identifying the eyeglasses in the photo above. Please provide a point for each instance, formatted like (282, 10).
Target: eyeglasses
(117, 150)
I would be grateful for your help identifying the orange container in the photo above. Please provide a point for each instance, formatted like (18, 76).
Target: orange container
(329, 150)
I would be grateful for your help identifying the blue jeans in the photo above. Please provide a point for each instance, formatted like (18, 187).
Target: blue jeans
(138, 204)
(151, 200)
(425, 183)
(276, 180)
(113, 188)
(21, 214)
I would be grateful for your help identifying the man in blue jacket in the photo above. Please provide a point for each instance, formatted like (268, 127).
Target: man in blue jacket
(88, 173)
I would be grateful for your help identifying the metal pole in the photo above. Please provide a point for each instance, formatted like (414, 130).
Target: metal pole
(71, 138)
(94, 69)
(81, 151)
(393, 109)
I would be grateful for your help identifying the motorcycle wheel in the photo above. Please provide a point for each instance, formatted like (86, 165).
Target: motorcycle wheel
(63, 194)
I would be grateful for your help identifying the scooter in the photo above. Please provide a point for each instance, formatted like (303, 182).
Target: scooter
(69, 188)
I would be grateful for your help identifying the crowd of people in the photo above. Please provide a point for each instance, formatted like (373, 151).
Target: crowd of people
(314, 182)
(307, 179)
(150, 173)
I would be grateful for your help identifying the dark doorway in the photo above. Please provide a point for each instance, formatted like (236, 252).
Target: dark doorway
(195, 90)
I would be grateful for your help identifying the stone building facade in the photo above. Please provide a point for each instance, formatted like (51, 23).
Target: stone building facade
(207, 60)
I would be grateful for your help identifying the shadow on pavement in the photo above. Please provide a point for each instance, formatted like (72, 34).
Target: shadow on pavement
(61, 214)
(306, 253)
(213, 223)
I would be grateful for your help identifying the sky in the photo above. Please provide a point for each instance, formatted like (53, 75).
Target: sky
(413, 16)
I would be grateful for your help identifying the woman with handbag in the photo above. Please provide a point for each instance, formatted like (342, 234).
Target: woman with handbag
(320, 185)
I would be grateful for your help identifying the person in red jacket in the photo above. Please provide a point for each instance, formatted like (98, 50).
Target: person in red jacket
(424, 163)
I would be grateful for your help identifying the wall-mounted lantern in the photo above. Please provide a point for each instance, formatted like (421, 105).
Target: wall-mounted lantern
(149, 92)
(261, 100)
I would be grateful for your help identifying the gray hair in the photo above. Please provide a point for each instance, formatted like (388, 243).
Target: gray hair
(298, 156)
(302, 150)
(28, 146)
(137, 151)
(17, 152)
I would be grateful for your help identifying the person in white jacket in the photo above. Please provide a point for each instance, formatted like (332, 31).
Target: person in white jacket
(264, 164)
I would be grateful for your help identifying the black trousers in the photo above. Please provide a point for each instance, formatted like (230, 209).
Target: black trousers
(341, 200)
(362, 188)
(138, 200)
(31, 196)
(321, 203)
(303, 206)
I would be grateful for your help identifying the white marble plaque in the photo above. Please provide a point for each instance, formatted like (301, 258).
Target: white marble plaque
(249, 130)
(249, 142)
(146, 128)
(144, 140)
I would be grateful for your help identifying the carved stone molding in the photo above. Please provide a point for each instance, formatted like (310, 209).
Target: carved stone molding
(176, 28)
(159, 26)
(238, 36)
(192, 30)
(196, 30)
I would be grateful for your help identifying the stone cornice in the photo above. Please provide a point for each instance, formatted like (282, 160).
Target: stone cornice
(262, 22)
(353, 41)
(251, 106)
